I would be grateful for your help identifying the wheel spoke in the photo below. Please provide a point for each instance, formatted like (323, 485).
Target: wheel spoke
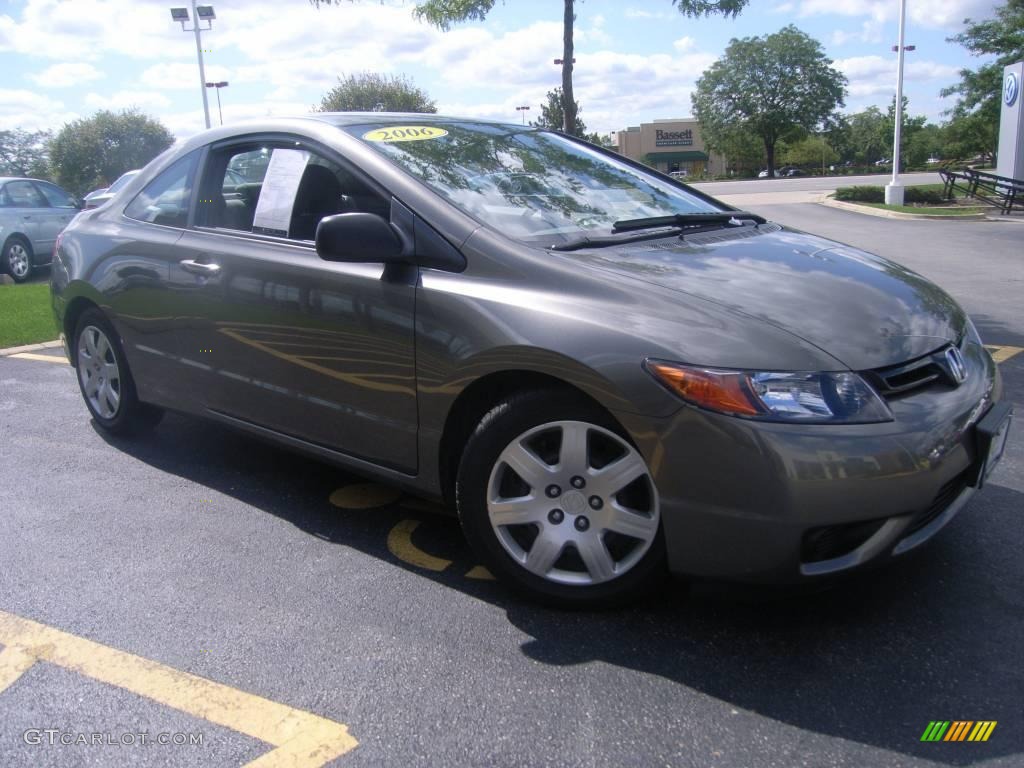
(544, 553)
(631, 524)
(102, 347)
(113, 396)
(92, 384)
(595, 557)
(90, 341)
(520, 511)
(621, 473)
(110, 371)
(528, 466)
(573, 454)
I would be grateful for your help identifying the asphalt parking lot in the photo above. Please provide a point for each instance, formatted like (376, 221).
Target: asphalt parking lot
(198, 583)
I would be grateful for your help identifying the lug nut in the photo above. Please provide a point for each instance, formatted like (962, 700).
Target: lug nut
(595, 502)
(552, 491)
(578, 482)
(582, 523)
(556, 516)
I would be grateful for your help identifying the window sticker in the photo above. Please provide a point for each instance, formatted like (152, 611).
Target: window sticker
(280, 185)
(405, 133)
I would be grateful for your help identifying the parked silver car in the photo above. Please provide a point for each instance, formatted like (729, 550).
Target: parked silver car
(98, 197)
(32, 214)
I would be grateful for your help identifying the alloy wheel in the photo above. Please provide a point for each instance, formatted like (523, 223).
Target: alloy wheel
(18, 261)
(98, 372)
(573, 503)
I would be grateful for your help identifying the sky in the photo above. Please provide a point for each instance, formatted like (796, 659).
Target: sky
(637, 60)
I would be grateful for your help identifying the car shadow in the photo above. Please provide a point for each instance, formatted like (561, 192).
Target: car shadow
(870, 659)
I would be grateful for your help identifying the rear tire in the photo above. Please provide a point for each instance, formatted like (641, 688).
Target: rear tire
(559, 504)
(106, 381)
(17, 258)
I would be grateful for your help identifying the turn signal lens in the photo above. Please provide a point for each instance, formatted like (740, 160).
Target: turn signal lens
(722, 391)
(811, 398)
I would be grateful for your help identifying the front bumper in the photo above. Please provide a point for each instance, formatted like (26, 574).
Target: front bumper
(757, 501)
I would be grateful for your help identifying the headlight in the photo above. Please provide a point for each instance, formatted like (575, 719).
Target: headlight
(808, 398)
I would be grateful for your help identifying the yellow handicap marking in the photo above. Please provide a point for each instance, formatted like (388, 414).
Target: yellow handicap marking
(300, 739)
(1003, 353)
(59, 359)
(400, 545)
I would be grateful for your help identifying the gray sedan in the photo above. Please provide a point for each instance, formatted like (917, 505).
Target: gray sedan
(605, 373)
(32, 214)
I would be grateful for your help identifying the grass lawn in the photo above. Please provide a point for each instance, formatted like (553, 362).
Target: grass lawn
(25, 315)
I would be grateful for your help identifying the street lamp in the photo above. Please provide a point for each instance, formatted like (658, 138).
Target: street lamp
(894, 190)
(218, 86)
(200, 13)
(523, 109)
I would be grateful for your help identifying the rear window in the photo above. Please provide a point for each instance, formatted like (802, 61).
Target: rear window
(536, 186)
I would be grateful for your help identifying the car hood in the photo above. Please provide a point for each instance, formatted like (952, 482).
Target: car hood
(863, 310)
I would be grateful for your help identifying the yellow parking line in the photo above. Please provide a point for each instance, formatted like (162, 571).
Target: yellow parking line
(14, 662)
(59, 359)
(302, 739)
(400, 545)
(1003, 353)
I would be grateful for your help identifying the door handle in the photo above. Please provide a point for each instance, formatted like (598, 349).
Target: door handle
(199, 268)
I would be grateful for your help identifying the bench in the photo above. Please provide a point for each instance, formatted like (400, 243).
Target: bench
(1000, 192)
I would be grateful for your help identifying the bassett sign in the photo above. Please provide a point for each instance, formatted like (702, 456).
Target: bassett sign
(673, 138)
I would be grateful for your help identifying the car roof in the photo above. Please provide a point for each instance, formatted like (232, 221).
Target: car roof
(337, 119)
(5, 179)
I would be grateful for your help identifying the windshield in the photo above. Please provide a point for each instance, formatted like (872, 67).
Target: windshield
(536, 186)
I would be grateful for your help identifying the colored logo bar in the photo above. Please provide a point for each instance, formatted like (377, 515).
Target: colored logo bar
(958, 730)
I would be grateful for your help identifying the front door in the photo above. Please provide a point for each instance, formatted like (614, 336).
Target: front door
(275, 336)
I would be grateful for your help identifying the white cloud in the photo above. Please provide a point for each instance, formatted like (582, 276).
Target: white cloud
(31, 111)
(782, 8)
(926, 13)
(684, 44)
(876, 75)
(66, 74)
(147, 101)
(180, 75)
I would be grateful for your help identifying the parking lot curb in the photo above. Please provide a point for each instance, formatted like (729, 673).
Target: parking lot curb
(29, 348)
(867, 211)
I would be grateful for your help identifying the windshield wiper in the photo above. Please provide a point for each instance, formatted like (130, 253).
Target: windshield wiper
(686, 220)
(625, 237)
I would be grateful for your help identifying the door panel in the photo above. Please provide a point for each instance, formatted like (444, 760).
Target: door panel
(272, 334)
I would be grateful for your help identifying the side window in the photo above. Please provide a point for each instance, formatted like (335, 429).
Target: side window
(280, 190)
(165, 199)
(23, 194)
(56, 196)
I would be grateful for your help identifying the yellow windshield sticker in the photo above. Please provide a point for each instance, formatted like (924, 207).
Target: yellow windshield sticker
(405, 133)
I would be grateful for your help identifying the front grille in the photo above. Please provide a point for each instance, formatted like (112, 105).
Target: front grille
(902, 379)
(947, 495)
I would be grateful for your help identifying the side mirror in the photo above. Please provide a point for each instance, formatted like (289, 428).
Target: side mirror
(358, 237)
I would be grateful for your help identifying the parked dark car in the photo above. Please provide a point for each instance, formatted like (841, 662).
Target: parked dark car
(602, 370)
(32, 213)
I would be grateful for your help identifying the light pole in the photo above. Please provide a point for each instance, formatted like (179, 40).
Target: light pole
(199, 13)
(523, 109)
(218, 86)
(894, 190)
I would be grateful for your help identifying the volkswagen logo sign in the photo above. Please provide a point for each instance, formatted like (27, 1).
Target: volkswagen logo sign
(1010, 88)
(955, 364)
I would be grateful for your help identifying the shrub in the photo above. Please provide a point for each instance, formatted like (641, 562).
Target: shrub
(928, 196)
(863, 194)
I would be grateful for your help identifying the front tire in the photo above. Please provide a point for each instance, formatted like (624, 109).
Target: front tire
(106, 381)
(17, 258)
(559, 504)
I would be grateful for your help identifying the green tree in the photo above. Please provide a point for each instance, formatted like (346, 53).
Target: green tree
(94, 151)
(779, 86)
(810, 152)
(552, 114)
(369, 91)
(978, 91)
(25, 153)
(870, 136)
(444, 13)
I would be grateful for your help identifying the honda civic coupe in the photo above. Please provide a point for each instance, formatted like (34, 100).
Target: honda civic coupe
(605, 373)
